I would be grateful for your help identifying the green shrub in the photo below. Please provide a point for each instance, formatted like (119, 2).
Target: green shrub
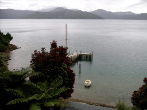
(121, 106)
(2, 47)
(1, 62)
(2, 66)
(4, 41)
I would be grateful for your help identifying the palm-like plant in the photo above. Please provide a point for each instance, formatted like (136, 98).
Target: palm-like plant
(17, 93)
(9, 80)
(40, 95)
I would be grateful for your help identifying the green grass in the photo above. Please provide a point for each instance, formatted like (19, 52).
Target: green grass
(121, 106)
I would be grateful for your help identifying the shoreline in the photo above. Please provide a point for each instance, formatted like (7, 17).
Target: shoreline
(90, 103)
(6, 55)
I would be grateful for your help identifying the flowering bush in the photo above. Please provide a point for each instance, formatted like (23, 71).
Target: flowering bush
(139, 97)
(53, 64)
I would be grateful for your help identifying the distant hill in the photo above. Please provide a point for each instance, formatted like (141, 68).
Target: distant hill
(119, 15)
(13, 14)
(63, 13)
(57, 13)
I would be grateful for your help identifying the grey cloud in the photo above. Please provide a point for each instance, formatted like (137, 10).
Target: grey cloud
(137, 4)
(144, 1)
(134, 5)
(9, 1)
(85, 5)
(5, 2)
(31, 5)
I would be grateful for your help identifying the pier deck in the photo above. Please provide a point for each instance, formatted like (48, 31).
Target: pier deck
(80, 56)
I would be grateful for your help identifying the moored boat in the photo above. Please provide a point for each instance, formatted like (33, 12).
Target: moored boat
(87, 83)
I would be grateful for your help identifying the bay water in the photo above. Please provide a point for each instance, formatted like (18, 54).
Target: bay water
(119, 53)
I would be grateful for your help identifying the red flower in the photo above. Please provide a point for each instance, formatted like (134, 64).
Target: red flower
(50, 64)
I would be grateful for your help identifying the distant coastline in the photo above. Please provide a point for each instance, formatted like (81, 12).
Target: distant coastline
(63, 13)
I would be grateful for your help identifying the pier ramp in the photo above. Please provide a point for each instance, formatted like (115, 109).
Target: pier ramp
(80, 56)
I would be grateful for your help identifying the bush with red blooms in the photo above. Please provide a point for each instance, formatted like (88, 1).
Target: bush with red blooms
(53, 64)
(139, 97)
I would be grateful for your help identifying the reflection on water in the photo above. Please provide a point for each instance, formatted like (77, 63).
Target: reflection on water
(79, 69)
(119, 49)
(78, 65)
(31, 30)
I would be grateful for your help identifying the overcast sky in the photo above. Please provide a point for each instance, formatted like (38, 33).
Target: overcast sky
(137, 6)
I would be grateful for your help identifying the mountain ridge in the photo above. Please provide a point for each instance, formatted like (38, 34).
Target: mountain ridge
(120, 15)
(57, 13)
(64, 13)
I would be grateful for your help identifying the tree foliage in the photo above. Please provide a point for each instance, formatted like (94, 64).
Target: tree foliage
(139, 97)
(2, 65)
(53, 64)
(4, 41)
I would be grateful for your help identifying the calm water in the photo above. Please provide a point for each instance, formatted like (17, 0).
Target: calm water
(119, 47)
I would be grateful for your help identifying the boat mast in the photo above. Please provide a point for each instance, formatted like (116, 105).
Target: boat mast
(66, 34)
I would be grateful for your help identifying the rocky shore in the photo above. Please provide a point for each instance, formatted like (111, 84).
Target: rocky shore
(91, 103)
(6, 55)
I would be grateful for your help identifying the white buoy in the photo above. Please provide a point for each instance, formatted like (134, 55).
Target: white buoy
(87, 83)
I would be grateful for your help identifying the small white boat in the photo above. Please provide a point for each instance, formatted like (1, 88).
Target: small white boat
(87, 83)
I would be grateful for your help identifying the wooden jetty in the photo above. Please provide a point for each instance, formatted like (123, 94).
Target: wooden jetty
(80, 56)
(85, 56)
